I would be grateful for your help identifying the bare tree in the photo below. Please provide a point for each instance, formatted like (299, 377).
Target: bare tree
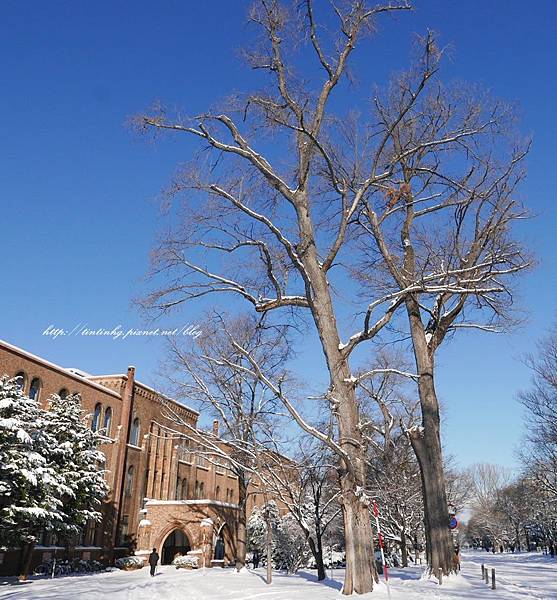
(209, 375)
(287, 181)
(540, 402)
(284, 219)
(487, 482)
(393, 472)
(438, 232)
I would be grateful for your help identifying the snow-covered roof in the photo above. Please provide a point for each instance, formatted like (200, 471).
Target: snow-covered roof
(78, 372)
(67, 372)
(149, 389)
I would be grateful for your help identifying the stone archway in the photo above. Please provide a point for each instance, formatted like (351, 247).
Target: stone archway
(176, 542)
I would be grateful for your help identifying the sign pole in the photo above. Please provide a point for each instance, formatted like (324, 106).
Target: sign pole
(380, 535)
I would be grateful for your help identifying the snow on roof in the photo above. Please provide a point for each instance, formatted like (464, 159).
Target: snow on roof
(68, 372)
(78, 372)
(149, 389)
(87, 379)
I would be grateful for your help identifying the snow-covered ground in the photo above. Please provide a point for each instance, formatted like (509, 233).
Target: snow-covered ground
(526, 576)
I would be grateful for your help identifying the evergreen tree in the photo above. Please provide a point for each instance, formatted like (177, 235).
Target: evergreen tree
(77, 462)
(29, 501)
(50, 469)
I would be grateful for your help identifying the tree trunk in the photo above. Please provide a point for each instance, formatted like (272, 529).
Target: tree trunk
(403, 548)
(426, 443)
(360, 563)
(360, 559)
(241, 535)
(427, 446)
(317, 552)
(26, 564)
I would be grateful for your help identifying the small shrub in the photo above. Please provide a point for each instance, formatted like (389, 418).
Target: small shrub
(129, 563)
(186, 562)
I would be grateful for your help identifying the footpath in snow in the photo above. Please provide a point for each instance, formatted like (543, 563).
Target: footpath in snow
(525, 576)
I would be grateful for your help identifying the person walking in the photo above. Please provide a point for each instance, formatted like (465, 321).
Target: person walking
(153, 560)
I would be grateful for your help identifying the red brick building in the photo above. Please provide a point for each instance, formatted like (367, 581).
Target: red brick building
(164, 493)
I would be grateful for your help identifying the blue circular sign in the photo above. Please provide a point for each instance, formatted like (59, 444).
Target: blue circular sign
(453, 523)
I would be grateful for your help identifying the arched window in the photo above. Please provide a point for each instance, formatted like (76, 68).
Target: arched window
(129, 481)
(107, 421)
(21, 380)
(184, 490)
(201, 490)
(35, 389)
(96, 417)
(63, 393)
(178, 489)
(134, 433)
(217, 492)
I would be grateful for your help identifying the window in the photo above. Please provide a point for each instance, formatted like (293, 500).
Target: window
(201, 459)
(107, 421)
(217, 492)
(96, 417)
(184, 453)
(63, 393)
(220, 464)
(145, 484)
(35, 389)
(47, 538)
(197, 490)
(178, 489)
(21, 380)
(201, 490)
(184, 490)
(134, 433)
(129, 481)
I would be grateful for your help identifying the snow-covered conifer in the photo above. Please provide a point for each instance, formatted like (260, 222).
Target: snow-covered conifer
(77, 462)
(29, 501)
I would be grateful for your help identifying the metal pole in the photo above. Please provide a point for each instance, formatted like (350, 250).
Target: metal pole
(385, 568)
(492, 579)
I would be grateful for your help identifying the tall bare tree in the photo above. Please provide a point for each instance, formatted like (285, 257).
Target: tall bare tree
(439, 235)
(285, 219)
(274, 206)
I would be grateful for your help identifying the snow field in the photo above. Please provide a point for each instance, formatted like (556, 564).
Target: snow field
(519, 576)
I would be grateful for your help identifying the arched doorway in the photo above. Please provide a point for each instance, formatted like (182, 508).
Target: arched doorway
(223, 548)
(175, 543)
(218, 552)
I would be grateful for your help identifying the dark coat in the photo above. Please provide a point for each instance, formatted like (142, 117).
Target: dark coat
(153, 559)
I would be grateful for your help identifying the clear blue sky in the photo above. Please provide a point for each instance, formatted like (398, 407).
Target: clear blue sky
(78, 192)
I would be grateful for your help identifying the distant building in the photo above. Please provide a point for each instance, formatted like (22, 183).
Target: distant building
(164, 493)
